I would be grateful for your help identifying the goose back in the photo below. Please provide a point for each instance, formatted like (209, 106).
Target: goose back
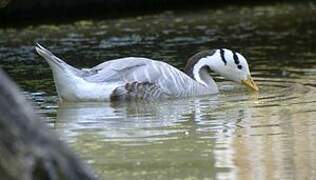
(136, 74)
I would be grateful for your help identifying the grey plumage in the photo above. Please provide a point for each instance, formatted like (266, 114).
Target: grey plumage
(130, 78)
(135, 90)
(143, 78)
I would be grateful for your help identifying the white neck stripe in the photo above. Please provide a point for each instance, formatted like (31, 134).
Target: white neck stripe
(196, 70)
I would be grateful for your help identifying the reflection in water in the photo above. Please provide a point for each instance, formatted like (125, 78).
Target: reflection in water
(140, 139)
(277, 145)
(197, 137)
(133, 121)
(169, 131)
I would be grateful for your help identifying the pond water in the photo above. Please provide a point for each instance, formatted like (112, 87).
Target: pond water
(233, 135)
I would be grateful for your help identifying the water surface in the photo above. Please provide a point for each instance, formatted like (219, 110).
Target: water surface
(233, 135)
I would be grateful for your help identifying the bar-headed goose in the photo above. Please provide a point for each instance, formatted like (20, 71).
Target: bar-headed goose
(142, 78)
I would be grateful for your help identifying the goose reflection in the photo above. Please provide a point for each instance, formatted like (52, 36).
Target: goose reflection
(198, 129)
(133, 120)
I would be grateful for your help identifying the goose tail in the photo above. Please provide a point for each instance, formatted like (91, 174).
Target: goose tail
(65, 76)
(54, 62)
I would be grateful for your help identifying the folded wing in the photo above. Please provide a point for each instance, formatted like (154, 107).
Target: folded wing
(140, 77)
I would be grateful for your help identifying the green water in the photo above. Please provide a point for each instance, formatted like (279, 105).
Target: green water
(232, 135)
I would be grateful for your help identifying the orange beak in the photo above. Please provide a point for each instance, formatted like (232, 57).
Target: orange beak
(250, 83)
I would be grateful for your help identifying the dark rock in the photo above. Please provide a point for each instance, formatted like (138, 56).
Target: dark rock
(28, 149)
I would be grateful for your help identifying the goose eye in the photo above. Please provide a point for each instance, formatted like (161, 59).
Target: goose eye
(239, 67)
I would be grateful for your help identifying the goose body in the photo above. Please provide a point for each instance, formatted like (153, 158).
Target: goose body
(133, 78)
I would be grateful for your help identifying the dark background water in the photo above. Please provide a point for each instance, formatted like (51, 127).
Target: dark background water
(233, 135)
(21, 12)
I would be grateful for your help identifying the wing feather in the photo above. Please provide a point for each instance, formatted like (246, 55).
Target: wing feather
(139, 74)
(125, 69)
(136, 90)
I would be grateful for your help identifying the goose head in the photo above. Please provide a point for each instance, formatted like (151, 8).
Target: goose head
(227, 63)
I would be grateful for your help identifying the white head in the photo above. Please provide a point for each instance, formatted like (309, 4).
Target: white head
(227, 63)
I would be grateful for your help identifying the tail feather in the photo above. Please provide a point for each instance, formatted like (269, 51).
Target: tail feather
(54, 61)
(65, 76)
(48, 56)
